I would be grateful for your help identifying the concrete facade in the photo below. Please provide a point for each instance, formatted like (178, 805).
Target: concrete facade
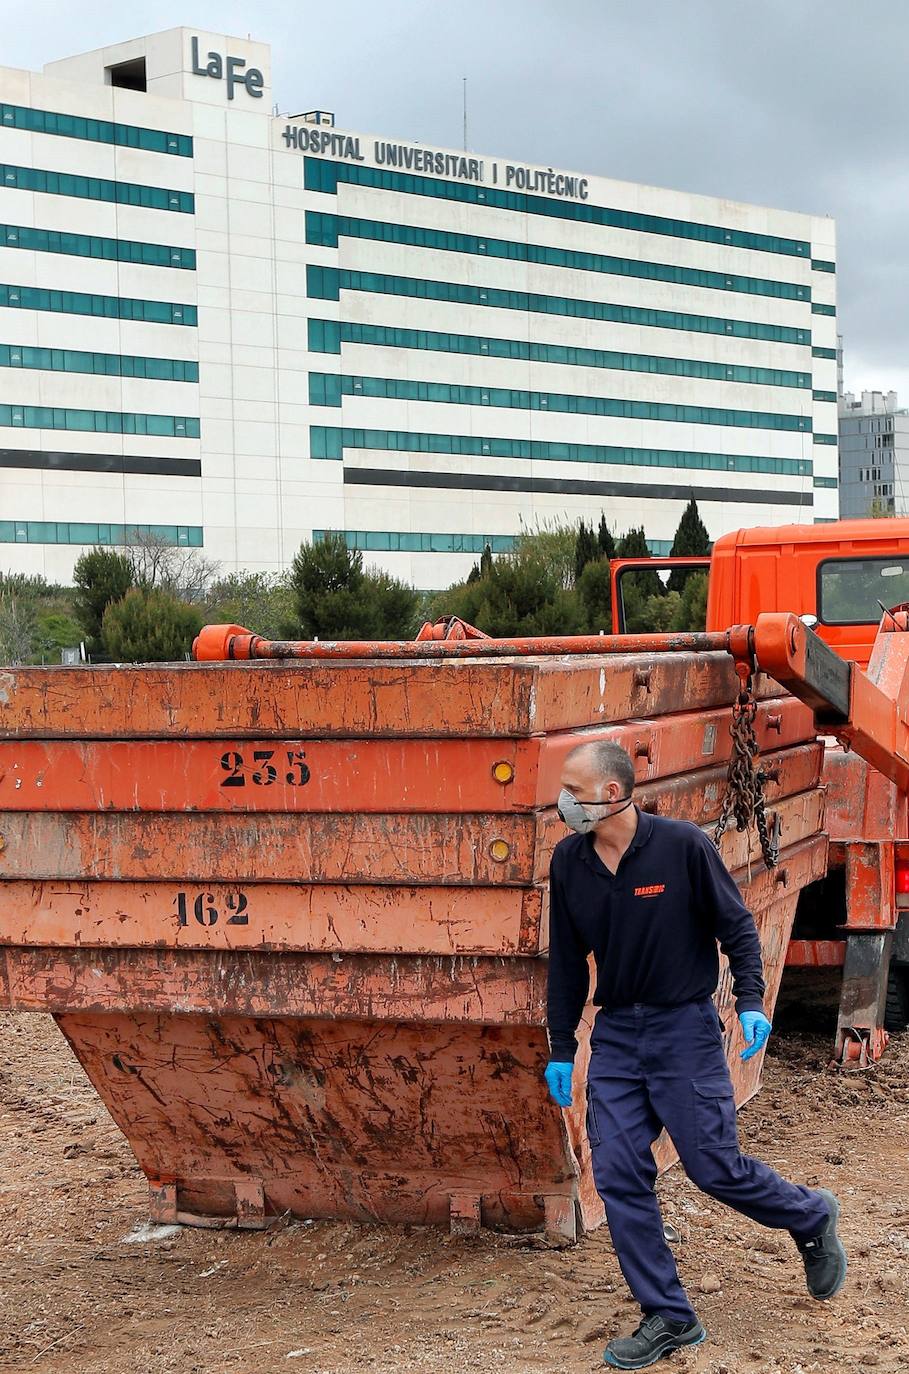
(425, 348)
(874, 455)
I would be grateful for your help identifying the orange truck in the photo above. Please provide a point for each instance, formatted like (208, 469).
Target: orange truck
(842, 578)
(288, 902)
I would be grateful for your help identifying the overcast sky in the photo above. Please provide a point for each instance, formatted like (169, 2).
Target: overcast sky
(795, 103)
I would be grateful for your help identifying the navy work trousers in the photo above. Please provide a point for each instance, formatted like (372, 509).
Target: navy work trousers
(665, 1066)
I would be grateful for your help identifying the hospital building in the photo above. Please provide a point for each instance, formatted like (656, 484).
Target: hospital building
(239, 329)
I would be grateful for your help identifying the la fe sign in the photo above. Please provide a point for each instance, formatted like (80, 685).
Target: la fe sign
(233, 70)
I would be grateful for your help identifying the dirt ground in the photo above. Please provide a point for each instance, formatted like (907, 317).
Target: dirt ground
(337, 1298)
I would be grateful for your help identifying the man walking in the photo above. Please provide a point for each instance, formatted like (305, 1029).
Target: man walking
(650, 897)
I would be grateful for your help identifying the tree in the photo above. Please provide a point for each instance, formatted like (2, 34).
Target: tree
(149, 626)
(692, 609)
(637, 587)
(55, 630)
(660, 613)
(486, 561)
(586, 549)
(262, 602)
(101, 577)
(595, 593)
(17, 627)
(691, 541)
(605, 541)
(336, 598)
(527, 591)
(158, 562)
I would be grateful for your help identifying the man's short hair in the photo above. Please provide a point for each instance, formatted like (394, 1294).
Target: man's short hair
(611, 761)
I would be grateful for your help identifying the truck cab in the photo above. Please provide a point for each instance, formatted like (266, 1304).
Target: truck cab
(846, 574)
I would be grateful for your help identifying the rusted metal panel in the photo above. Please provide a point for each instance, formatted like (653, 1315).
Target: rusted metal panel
(870, 892)
(360, 775)
(374, 1120)
(284, 701)
(267, 847)
(333, 848)
(816, 954)
(862, 803)
(272, 916)
(483, 990)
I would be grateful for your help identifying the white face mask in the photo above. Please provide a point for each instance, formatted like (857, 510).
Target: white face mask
(580, 817)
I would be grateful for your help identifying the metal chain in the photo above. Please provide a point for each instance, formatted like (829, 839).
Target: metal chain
(744, 796)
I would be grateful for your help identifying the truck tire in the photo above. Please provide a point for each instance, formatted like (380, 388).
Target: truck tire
(896, 1015)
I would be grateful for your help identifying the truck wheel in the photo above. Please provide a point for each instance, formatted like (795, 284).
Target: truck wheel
(896, 1016)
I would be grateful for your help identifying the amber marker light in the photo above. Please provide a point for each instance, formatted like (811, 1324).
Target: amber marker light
(500, 850)
(502, 771)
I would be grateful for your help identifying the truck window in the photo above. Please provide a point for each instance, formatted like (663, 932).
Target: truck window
(851, 590)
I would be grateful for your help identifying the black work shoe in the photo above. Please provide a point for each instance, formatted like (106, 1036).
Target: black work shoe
(654, 1338)
(824, 1255)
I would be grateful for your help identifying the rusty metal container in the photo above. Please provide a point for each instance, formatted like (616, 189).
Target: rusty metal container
(291, 916)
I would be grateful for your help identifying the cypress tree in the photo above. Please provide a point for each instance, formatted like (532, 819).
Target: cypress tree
(691, 540)
(605, 541)
(586, 549)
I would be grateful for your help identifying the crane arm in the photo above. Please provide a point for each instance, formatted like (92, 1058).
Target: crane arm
(866, 712)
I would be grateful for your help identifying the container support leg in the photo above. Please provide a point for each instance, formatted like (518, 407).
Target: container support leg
(860, 1036)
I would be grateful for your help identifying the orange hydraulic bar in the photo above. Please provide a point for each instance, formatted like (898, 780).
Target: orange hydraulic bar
(863, 715)
(218, 642)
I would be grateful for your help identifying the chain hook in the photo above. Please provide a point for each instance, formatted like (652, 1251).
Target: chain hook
(743, 799)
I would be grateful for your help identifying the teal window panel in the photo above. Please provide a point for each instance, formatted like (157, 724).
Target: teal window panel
(322, 283)
(87, 532)
(95, 130)
(324, 389)
(325, 441)
(92, 246)
(821, 265)
(324, 336)
(404, 541)
(109, 307)
(99, 421)
(321, 230)
(818, 309)
(330, 442)
(824, 353)
(325, 175)
(824, 519)
(98, 364)
(95, 188)
(826, 482)
(327, 389)
(326, 283)
(826, 439)
(324, 231)
(327, 336)
(823, 395)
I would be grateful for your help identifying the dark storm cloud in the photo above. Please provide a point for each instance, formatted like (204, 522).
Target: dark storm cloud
(794, 103)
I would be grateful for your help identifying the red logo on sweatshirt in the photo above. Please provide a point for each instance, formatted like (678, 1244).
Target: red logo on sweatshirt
(653, 890)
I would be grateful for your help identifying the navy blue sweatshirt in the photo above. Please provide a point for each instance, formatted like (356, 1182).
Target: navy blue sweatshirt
(653, 927)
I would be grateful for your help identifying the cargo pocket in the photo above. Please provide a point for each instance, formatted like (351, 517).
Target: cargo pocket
(593, 1130)
(714, 1114)
(711, 1017)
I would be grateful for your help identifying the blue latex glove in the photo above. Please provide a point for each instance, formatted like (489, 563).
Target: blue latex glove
(558, 1080)
(756, 1030)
